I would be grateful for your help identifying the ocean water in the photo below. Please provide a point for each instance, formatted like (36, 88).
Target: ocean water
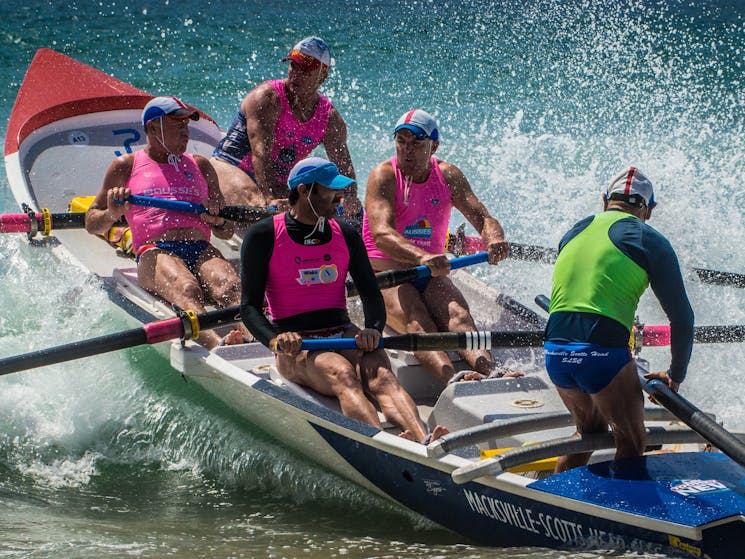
(539, 103)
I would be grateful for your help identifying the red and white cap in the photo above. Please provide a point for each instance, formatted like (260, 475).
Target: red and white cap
(632, 187)
(420, 122)
(310, 54)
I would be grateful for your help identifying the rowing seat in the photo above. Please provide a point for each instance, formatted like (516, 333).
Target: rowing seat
(126, 284)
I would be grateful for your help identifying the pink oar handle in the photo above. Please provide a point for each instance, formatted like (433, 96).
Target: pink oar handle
(163, 330)
(656, 335)
(16, 223)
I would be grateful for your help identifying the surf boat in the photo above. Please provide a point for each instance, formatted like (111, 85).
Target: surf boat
(490, 479)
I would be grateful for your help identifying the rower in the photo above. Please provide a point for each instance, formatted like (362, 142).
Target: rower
(175, 259)
(299, 260)
(407, 210)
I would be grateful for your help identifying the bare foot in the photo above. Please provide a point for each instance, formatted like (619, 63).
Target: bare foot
(234, 337)
(438, 432)
(513, 374)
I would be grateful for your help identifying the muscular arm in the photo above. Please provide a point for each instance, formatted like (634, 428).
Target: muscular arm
(335, 144)
(380, 206)
(262, 107)
(475, 212)
(255, 254)
(220, 227)
(653, 252)
(364, 279)
(666, 281)
(103, 212)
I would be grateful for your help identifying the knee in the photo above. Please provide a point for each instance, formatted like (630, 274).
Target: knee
(190, 288)
(344, 379)
(225, 291)
(382, 380)
(459, 314)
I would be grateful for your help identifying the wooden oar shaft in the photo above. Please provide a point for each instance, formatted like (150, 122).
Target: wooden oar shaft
(694, 418)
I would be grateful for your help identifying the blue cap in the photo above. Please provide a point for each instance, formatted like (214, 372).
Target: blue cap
(318, 169)
(159, 107)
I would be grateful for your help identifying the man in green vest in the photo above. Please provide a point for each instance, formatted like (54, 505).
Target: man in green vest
(605, 263)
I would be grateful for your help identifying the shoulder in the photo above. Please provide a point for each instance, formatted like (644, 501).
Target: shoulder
(260, 230)
(260, 96)
(576, 229)
(381, 175)
(654, 240)
(122, 165)
(450, 173)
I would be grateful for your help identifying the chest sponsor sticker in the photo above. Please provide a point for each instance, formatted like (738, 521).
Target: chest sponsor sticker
(324, 274)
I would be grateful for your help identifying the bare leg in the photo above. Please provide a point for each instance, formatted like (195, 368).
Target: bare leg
(221, 283)
(394, 401)
(408, 313)
(237, 187)
(333, 375)
(168, 277)
(588, 420)
(450, 312)
(622, 404)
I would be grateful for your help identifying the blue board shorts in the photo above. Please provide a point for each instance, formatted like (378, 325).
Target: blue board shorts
(188, 251)
(583, 366)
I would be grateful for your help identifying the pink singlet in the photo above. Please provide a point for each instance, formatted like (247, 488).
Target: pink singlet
(162, 180)
(293, 140)
(306, 278)
(422, 213)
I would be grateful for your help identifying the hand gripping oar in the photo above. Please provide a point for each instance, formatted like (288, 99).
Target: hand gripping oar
(186, 326)
(692, 416)
(42, 222)
(241, 214)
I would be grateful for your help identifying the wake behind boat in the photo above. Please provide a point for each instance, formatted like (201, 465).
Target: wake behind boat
(69, 121)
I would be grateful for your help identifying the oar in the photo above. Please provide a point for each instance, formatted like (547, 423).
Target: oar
(40, 222)
(187, 325)
(660, 335)
(172, 328)
(439, 341)
(242, 214)
(459, 243)
(719, 278)
(692, 416)
(392, 278)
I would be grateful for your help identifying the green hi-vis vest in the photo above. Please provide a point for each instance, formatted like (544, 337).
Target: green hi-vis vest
(592, 275)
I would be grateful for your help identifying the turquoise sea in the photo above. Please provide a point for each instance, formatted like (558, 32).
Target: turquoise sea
(539, 102)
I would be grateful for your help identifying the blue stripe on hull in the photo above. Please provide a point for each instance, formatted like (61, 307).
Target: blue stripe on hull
(497, 518)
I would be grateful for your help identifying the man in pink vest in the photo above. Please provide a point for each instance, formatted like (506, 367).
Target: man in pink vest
(299, 261)
(175, 259)
(279, 123)
(407, 210)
